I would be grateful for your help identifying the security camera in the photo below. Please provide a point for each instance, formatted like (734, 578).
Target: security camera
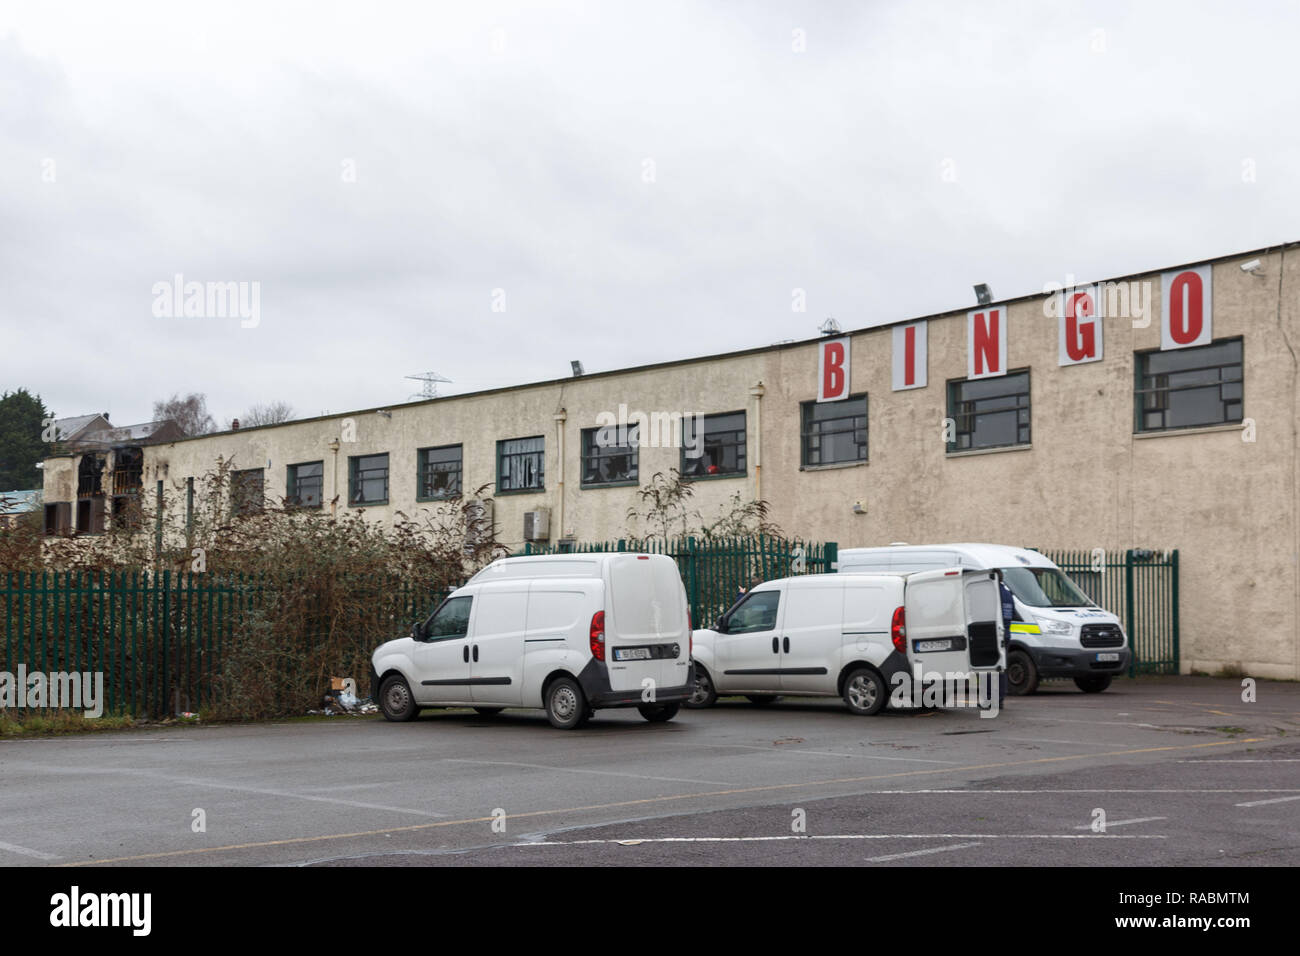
(1252, 266)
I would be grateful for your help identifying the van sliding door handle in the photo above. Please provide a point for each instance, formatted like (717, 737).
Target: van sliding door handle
(475, 653)
(465, 653)
(776, 647)
(785, 644)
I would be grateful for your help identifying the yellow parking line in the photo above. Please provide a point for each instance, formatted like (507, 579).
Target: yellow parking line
(644, 800)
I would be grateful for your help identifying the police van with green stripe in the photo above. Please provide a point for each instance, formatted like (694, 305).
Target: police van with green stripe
(1058, 631)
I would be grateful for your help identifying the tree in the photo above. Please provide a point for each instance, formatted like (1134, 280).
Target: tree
(22, 426)
(272, 413)
(190, 413)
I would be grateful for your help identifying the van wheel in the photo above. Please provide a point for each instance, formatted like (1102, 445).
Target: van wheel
(566, 705)
(658, 713)
(489, 711)
(1092, 685)
(703, 694)
(762, 700)
(395, 700)
(1022, 675)
(864, 692)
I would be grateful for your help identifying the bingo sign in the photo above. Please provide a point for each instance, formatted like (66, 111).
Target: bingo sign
(833, 370)
(986, 342)
(1185, 315)
(1080, 326)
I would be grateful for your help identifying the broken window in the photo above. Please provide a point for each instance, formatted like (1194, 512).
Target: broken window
(90, 516)
(58, 518)
(128, 470)
(127, 513)
(90, 476)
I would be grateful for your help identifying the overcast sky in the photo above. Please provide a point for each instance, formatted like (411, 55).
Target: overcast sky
(642, 181)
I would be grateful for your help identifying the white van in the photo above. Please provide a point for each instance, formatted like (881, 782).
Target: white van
(839, 635)
(1057, 631)
(567, 633)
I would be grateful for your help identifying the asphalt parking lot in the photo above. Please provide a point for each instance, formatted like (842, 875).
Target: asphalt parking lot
(1182, 771)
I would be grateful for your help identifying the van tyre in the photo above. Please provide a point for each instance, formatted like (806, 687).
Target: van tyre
(864, 692)
(566, 704)
(489, 711)
(1022, 674)
(396, 702)
(703, 694)
(658, 713)
(762, 700)
(1092, 685)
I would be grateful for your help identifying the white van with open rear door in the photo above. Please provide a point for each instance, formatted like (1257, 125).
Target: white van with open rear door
(567, 633)
(848, 636)
(1057, 631)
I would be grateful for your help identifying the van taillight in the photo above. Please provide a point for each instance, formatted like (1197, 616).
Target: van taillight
(598, 635)
(898, 630)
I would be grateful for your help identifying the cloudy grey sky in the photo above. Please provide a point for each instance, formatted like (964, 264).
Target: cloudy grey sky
(643, 181)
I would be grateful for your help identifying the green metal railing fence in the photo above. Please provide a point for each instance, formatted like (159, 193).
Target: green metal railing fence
(715, 570)
(157, 637)
(1141, 587)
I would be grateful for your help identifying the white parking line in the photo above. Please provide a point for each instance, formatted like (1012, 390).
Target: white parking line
(1244, 760)
(24, 851)
(603, 773)
(636, 841)
(903, 856)
(1120, 823)
(1260, 803)
(818, 753)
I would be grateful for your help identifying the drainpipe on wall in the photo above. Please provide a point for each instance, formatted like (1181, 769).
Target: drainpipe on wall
(560, 417)
(757, 391)
(334, 477)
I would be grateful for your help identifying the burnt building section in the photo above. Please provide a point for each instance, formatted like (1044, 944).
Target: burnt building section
(98, 483)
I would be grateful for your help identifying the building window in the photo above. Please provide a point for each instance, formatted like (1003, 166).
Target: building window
(440, 470)
(521, 464)
(835, 432)
(128, 470)
(58, 518)
(368, 480)
(989, 412)
(247, 492)
(90, 516)
(607, 462)
(1184, 388)
(306, 485)
(717, 449)
(128, 514)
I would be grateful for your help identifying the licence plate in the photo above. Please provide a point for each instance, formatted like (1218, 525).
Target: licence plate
(1107, 657)
(933, 645)
(631, 653)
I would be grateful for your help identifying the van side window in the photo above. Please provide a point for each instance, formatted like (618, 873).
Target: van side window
(450, 621)
(757, 612)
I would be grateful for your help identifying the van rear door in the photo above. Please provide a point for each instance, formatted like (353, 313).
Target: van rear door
(954, 621)
(645, 622)
(935, 608)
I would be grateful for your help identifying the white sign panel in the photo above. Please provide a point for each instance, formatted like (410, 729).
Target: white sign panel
(911, 361)
(986, 342)
(833, 369)
(1079, 320)
(1185, 317)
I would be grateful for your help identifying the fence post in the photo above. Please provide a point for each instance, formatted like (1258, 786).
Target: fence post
(1173, 590)
(158, 521)
(1128, 611)
(831, 557)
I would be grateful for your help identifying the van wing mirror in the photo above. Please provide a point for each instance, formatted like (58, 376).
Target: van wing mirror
(720, 625)
(417, 631)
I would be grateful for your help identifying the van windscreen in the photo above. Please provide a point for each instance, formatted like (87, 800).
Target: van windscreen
(1044, 587)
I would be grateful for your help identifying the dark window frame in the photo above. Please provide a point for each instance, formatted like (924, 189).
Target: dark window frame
(1142, 392)
(423, 472)
(356, 481)
(293, 481)
(519, 459)
(806, 435)
(740, 445)
(591, 454)
(968, 416)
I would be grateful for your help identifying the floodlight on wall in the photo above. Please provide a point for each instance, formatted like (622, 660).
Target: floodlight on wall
(577, 368)
(1252, 267)
(983, 294)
